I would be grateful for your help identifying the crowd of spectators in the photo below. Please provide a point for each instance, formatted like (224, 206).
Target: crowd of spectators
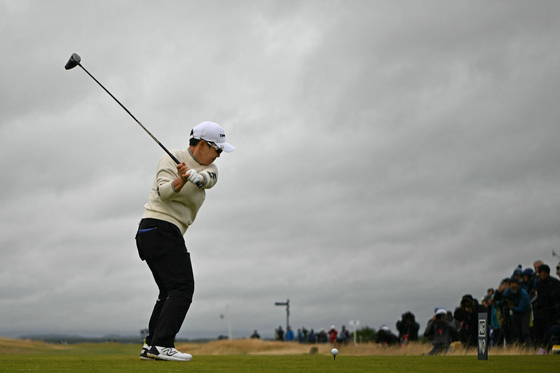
(304, 335)
(526, 307)
(523, 310)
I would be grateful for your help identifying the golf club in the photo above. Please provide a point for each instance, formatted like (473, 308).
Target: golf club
(75, 60)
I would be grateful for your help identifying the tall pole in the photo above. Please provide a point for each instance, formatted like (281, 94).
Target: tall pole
(287, 314)
(230, 335)
(354, 323)
(287, 304)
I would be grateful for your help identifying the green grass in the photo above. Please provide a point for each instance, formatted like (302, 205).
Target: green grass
(112, 357)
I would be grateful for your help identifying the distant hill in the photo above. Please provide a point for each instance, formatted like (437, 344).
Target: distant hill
(72, 339)
(18, 346)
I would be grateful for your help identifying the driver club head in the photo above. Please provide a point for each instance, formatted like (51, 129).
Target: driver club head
(73, 61)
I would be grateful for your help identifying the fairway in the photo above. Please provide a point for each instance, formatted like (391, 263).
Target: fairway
(118, 358)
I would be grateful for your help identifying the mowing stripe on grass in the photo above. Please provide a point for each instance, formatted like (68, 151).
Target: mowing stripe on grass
(119, 363)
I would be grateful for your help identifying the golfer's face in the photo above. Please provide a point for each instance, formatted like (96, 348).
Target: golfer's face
(208, 154)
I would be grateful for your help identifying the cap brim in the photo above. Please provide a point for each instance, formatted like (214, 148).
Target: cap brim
(226, 147)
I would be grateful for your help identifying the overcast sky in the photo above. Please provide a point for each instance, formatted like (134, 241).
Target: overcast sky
(391, 156)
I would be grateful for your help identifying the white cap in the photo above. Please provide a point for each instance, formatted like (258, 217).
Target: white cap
(441, 311)
(212, 132)
(384, 327)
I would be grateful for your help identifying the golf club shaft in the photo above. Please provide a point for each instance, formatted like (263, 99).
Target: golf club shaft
(133, 117)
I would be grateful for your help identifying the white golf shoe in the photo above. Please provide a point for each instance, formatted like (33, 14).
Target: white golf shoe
(168, 353)
(144, 352)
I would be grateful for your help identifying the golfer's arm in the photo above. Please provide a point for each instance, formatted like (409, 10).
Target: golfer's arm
(210, 178)
(168, 182)
(178, 184)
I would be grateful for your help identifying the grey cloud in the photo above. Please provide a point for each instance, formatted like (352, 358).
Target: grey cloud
(383, 150)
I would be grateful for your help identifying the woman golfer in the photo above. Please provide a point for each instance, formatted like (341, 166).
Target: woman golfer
(176, 196)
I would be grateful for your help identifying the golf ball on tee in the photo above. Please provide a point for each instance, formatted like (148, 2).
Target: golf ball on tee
(334, 351)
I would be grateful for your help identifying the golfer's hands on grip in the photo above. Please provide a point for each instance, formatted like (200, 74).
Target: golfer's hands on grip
(187, 174)
(194, 177)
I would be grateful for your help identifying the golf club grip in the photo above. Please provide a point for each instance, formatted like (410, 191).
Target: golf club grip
(199, 184)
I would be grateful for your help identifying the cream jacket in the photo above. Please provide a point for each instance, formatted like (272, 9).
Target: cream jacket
(178, 208)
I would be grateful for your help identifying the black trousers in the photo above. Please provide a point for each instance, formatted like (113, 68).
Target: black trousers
(542, 325)
(520, 328)
(162, 246)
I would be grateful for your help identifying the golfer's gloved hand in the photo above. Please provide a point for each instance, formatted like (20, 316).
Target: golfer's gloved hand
(194, 177)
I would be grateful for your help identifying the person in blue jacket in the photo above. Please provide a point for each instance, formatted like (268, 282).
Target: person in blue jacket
(289, 334)
(517, 301)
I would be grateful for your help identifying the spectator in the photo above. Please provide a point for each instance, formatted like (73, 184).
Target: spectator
(496, 333)
(504, 315)
(505, 282)
(467, 314)
(456, 324)
(312, 336)
(536, 266)
(487, 302)
(332, 334)
(490, 291)
(255, 335)
(322, 336)
(305, 332)
(531, 288)
(300, 336)
(558, 270)
(343, 336)
(518, 275)
(529, 282)
(280, 333)
(385, 336)
(440, 331)
(289, 334)
(408, 328)
(546, 306)
(517, 301)
(554, 335)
